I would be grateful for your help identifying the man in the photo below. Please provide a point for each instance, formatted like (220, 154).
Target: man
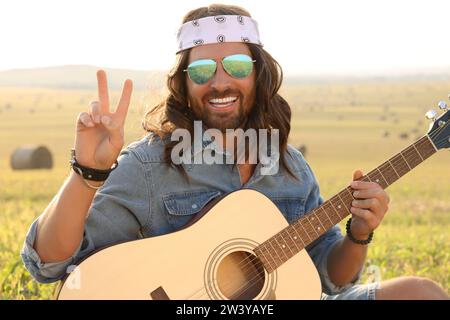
(224, 78)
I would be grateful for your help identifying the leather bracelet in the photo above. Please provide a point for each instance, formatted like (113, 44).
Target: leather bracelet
(350, 236)
(90, 173)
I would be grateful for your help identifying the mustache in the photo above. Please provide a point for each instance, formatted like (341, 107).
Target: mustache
(215, 94)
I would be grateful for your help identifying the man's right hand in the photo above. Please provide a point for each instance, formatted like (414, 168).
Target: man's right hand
(100, 133)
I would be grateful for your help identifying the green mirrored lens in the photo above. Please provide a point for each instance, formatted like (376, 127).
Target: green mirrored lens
(201, 71)
(238, 65)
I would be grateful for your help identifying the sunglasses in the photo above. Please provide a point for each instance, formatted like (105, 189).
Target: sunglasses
(237, 65)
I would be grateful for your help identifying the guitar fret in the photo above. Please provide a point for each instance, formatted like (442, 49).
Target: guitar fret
(425, 147)
(297, 249)
(350, 193)
(389, 173)
(312, 226)
(260, 253)
(411, 156)
(336, 215)
(431, 144)
(323, 217)
(315, 222)
(274, 253)
(401, 166)
(319, 218)
(381, 174)
(292, 230)
(292, 246)
(280, 247)
(301, 232)
(345, 203)
(414, 145)
(272, 264)
(340, 207)
(307, 227)
(286, 241)
(326, 208)
(401, 153)
(375, 176)
(393, 168)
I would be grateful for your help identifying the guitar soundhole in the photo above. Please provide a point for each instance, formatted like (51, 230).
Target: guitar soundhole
(240, 276)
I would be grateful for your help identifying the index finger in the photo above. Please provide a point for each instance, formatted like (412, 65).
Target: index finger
(124, 102)
(365, 185)
(103, 91)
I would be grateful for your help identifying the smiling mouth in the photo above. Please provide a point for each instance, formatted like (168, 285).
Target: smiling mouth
(223, 104)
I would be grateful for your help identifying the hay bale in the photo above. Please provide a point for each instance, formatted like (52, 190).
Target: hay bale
(31, 157)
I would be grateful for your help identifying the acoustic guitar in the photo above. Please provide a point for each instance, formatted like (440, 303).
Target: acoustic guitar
(208, 261)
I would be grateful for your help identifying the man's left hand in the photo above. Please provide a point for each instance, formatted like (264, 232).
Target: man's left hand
(369, 208)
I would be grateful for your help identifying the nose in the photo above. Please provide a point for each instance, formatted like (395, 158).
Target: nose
(221, 79)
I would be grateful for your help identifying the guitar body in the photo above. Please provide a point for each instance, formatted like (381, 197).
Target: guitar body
(211, 259)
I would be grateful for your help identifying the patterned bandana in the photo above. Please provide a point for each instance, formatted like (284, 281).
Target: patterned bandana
(217, 29)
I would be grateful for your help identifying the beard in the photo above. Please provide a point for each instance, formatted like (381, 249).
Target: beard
(219, 121)
(222, 120)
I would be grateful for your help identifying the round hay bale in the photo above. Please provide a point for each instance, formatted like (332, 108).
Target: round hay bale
(31, 157)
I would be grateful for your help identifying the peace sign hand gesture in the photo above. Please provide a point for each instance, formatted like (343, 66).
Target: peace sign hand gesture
(100, 133)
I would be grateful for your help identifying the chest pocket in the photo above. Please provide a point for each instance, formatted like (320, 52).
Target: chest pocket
(291, 208)
(182, 206)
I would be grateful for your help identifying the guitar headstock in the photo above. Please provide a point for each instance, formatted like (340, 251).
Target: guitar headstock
(439, 131)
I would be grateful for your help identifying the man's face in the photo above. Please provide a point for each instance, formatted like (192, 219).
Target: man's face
(221, 85)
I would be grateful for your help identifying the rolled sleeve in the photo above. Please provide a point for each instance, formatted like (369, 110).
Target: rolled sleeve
(319, 251)
(117, 213)
(43, 272)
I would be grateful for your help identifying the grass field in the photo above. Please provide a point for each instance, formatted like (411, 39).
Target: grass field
(345, 126)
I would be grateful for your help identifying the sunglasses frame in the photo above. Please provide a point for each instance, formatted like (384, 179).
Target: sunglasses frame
(221, 61)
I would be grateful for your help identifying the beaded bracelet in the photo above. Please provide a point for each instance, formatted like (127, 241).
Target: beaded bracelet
(350, 236)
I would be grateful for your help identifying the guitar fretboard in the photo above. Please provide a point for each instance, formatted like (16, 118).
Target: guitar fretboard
(291, 240)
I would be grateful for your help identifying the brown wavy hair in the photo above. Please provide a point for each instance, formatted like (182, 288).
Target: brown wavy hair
(270, 109)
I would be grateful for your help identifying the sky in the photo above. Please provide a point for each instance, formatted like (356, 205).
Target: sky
(312, 37)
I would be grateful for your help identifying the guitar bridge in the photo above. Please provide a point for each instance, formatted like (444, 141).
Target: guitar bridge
(159, 294)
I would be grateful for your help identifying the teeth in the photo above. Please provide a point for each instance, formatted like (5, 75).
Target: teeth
(224, 100)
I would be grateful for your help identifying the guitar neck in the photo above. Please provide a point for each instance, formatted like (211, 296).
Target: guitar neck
(291, 240)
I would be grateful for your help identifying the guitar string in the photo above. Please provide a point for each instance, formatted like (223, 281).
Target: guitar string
(250, 259)
(445, 138)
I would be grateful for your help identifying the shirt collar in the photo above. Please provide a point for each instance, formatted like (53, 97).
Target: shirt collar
(208, 143)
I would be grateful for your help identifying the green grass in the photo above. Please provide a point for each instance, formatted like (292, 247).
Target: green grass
(342, 126)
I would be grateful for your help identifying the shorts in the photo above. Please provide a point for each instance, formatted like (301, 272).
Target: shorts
(356, 292)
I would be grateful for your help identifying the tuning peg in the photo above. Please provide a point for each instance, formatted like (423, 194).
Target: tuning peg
(431, 114)
(442, 105)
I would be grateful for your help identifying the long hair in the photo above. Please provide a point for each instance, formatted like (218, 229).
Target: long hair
(270, 110)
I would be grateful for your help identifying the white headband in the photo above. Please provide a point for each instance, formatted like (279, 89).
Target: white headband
(218, 29)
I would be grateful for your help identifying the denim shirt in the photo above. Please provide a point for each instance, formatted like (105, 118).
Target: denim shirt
(145, 197)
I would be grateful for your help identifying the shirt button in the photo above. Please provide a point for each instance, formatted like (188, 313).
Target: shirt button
(194, 206)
